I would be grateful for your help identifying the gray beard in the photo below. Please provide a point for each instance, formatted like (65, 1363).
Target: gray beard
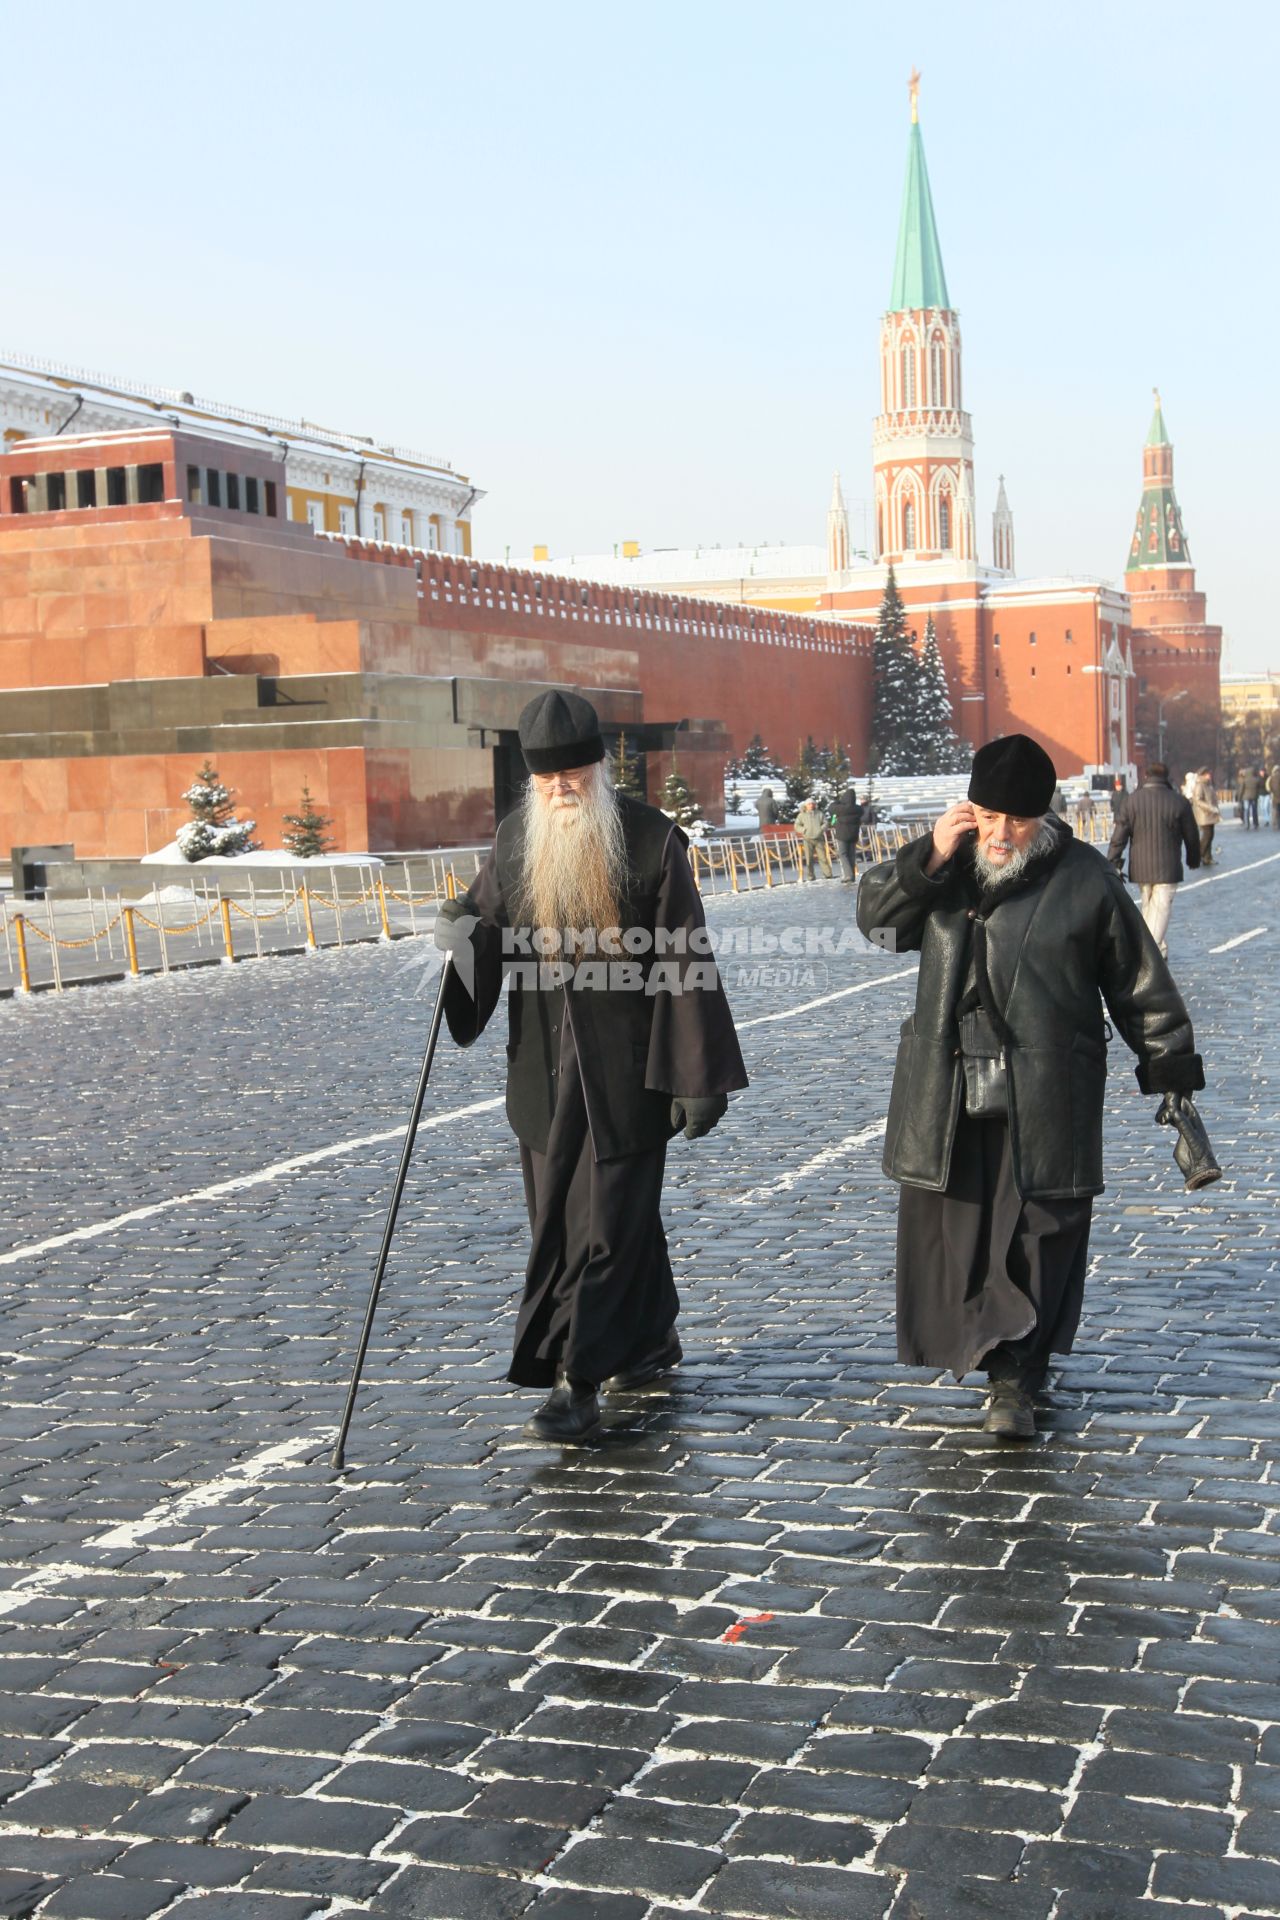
(993, 873)
(575, 868)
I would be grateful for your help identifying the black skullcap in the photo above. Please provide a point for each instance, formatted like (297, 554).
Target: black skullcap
(559, 730)
(1012, 775)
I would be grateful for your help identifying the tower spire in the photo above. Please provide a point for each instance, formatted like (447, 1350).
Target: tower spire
(1158, 537)
(837, 530)
(918, 276)
(1002, 528)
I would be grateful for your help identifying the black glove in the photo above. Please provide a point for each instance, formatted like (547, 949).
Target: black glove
(450, 935)
(696, 1114)
(1192, 1151)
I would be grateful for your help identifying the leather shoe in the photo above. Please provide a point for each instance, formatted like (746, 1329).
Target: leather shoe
(570, 1412)
(668, 1355)
(1011, 1411)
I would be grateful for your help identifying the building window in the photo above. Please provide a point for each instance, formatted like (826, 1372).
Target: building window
(269, 489)
(944, 522)
(995, 639)
(908, 525)
(1068, 666)
(86, 488)
(1033, 673)
(55, 492)
(406, 530)
(315, 515)
(151, 482)
(908, 376)
(1069, 642)
(378, 525)
(937, 374)
(251, 493)
(1031, 639)
(215, 487)
(233, 491)
(194, 489)
(346, 520)
(117, 487)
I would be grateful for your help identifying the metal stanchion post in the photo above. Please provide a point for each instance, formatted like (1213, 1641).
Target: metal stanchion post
(164, 939)
(382, 909)
(131, 941)
(53, 944)
(408, 890)
(306, 914)
(24, 971)
(227, 941)
(337, 904)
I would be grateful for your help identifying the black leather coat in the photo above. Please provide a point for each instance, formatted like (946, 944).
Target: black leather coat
(635, 1050)
(1059, 941)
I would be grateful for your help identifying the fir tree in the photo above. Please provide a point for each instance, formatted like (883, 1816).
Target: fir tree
(838, 771)
(627, 777)
(798, 785)
(679, 800)
(213, 827)
(938, 748)
(305, 834)
(757, 762)
(895, 670)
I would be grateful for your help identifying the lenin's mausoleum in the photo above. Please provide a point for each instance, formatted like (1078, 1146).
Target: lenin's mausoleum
(180, 583)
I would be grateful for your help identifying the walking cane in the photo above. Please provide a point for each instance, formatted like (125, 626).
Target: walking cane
(406, 1155)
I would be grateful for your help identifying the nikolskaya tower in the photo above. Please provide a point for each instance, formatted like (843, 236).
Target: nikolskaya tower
(923, 439)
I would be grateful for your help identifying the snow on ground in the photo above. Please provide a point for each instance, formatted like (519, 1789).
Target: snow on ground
(171, 856)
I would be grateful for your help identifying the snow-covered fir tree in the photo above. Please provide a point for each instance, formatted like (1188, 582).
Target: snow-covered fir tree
(680, 801)
(213, 827)
(938, 746)
(798, 784)
(305, 834)
(896, 675)
(757, 763)
(627, 777)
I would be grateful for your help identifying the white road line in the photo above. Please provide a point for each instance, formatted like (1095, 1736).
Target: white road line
(222, 1188)
(793, 1013)
(836, 1151)
(1189, 886)
(1239, 940)
(129, 1533)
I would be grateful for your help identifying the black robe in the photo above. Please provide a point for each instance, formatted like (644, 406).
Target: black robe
(592, 1067)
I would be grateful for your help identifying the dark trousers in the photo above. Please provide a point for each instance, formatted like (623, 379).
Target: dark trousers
(1249, 813)
(1206, 846)
(599, 1293)
(848, 850)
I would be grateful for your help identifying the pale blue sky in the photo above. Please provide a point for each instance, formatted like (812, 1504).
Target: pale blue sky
(625, 266)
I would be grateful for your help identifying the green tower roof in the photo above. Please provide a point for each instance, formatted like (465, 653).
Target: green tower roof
(1157, 433)
(918, 276)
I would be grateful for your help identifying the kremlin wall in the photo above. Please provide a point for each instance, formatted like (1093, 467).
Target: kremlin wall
(180, 582)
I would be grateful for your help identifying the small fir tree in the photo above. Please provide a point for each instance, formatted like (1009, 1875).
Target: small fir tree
(213, 827)
(895, 671)
(679, 799)
(627, 777)
(305, 834)
(798, 785)
(938, 747)
(757, 762)
(838, 771)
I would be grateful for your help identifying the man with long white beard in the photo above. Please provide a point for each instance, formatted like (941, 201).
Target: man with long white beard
(995, 1119)
(620, 1036)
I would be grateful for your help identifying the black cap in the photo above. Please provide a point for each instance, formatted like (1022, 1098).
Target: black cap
(559, 730)
(1012, 775)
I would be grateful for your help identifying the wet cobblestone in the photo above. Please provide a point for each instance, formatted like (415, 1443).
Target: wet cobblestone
(794, 1639)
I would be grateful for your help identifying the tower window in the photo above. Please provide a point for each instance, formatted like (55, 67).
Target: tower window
(1031, 639)
(937, 374)
(909, 525)
(944, 522)
(995, 639)
(909, 378)
(1068, 636)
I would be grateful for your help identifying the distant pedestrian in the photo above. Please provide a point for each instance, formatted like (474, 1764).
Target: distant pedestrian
(1117, 794)
(767, 808)
(1084, 812)
(1273, 789)
(995, 1119)
(811, 839)
(1204, 806)
(848, 825)
(1158, 826)
(1058, 804)
(1248, 792)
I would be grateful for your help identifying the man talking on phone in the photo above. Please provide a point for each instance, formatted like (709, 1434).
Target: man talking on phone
(995, 1119)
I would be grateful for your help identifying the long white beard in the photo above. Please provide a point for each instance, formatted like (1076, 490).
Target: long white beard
(994, 873)
(575, 860)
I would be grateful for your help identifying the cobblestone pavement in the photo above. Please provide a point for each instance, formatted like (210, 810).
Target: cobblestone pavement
(794, 1639)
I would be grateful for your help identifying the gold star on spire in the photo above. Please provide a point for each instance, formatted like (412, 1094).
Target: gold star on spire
(914, 85)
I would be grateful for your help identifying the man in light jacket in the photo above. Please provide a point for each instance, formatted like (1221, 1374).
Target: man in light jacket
(1204, 806)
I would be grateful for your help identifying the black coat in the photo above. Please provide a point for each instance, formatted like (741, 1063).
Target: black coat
(1156, 824)
(634, 1049)
(1060, 936)
(848, 815)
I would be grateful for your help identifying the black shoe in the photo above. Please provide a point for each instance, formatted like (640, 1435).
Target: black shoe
(1011, 1411)
(570, 1412)
(668, 1355)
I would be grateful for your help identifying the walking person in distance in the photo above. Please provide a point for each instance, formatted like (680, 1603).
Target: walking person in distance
(1158, 827)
